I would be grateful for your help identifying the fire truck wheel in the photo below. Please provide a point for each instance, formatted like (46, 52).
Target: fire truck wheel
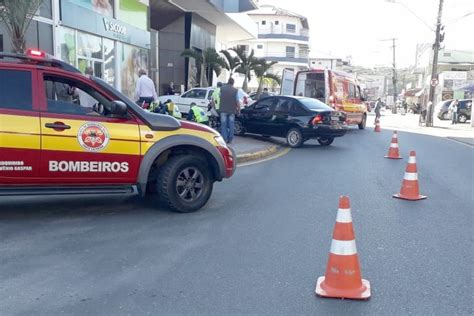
(184, 183)
(363, 123)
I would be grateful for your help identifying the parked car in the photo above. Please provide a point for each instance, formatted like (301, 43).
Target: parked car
(441, 109)
(253, 95)
(196, 96)
(298, 119)
(464, 110)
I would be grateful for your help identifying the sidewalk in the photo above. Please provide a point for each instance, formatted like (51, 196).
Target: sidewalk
(409, 123)
(254, 147)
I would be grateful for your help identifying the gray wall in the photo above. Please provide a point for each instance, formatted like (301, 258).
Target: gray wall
(171, 64)
(172, 41)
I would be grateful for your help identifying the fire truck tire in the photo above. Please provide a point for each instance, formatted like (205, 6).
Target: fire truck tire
(363, 123)
(184, 183)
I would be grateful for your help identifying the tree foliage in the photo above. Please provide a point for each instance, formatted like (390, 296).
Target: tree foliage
(246, 65)
(207, 61)
(17, 16)
(261, 70)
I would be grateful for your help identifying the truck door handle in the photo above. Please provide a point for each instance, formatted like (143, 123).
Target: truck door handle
(57, 126)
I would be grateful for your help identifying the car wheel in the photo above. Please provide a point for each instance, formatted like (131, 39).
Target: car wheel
(445, 116)
(184, 184)
(325, 141)
(363, 123)
(294, 137)
(462, 118)
(239, 129)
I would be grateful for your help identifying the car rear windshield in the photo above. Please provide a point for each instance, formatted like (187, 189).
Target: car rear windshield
(313, 104)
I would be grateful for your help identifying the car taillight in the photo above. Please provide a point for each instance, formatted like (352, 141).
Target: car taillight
(35, 53)
(317, 119)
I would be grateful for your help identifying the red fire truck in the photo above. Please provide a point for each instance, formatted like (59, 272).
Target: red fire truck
(335, 88)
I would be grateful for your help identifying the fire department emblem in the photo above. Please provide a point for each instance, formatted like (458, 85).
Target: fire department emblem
(93, 137)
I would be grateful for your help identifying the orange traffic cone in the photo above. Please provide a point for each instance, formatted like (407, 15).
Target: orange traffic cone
(410, 190)
(343, 278)
(377, 126)
(393, 150)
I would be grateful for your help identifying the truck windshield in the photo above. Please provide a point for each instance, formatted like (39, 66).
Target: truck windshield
(313, 104)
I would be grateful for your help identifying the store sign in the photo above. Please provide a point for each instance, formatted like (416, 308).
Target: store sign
(115, 27)
(454, 75)
(102, 25)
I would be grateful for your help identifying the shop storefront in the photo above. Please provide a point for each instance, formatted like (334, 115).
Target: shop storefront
(111, 36)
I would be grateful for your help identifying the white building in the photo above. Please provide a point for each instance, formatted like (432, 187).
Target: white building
(283, 36)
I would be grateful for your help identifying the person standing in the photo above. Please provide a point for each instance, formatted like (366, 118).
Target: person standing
(453, 108)
(378, 108)
(145, 91)
(229, 107)
(170, 90)
(264, 94)
(216, 96)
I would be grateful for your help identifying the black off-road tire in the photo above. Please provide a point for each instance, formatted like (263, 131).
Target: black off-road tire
(294, 137)
(168, 189)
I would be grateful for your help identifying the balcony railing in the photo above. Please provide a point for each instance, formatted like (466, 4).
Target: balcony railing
(274, 32)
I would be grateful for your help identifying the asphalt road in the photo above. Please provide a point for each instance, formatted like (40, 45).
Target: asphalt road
(259, 245)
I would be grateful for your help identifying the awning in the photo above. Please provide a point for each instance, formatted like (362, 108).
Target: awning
(414, 92)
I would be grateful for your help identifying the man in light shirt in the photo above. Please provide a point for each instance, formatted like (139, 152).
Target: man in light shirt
(145, 90)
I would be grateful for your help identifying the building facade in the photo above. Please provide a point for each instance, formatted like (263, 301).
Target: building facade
(198, 25)
(283, 36)
(455, 71)
(111, 36)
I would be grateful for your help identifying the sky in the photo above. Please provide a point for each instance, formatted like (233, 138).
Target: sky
(357, 28)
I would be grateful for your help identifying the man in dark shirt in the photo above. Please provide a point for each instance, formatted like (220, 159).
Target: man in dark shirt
(229, 107)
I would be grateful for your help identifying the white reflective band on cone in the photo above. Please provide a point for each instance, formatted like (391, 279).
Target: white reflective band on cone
(412, 159)
(344, 215)
(393, 145)
(394, 136)
(343, 247)
(411, 176)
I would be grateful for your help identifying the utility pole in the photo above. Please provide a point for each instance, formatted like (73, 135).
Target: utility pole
(394, 79)
(394, 75)
(434, 71)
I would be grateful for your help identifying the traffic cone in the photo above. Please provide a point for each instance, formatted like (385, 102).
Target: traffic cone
(393, 149)
(410, 190)
(343, 278)
(377, 126)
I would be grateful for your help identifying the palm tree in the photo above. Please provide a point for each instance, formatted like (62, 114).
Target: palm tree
(207, 61)
(232, 62)
(17, 15)
(261, 71)
(247, 64)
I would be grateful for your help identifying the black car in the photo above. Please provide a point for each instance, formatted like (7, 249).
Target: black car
(295, 118)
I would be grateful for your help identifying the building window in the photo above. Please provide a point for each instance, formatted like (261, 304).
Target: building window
(259, 46)
(264, 22)
(277, 22)
(291, 28)
(66, 44)
(15, 90)
(290, 51)
(244, 47)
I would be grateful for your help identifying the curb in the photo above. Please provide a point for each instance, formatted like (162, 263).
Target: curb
(246, 157)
